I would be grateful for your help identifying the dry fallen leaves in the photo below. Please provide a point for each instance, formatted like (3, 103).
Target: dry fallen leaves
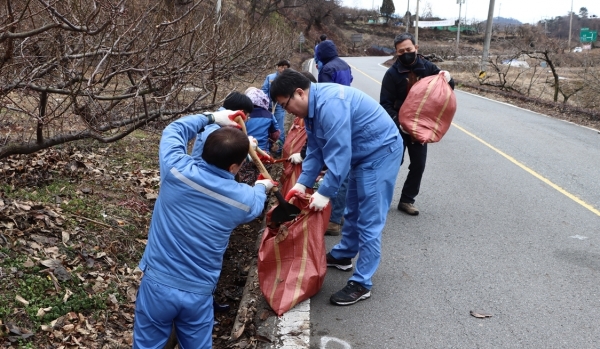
(480, 314)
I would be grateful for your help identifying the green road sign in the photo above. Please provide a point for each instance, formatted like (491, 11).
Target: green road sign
(586, 35)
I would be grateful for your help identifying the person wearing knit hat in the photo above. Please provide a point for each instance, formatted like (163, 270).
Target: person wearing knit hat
(276, 109)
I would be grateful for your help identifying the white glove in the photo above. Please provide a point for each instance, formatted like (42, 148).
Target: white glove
(253, 142)
(295, 158)
(222, 118)
(269, 184)
(318, 202)
(446, 75)
(297, 188)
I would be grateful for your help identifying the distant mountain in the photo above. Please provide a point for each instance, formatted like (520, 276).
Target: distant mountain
(505, 21)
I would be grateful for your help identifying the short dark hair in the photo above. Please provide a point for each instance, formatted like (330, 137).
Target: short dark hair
(287, 82)
(238, 101)
(323, 37)
(283, 62)
(309, 75)
(225, 147)
(402, 37)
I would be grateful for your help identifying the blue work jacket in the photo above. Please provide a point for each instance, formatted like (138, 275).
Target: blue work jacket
(197, 208)
(345, 127)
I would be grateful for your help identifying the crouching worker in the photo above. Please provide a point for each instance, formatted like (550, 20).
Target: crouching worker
(199, 204)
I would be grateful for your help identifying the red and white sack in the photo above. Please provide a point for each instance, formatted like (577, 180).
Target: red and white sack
(427, 112)
(294, 141)
(291, 257)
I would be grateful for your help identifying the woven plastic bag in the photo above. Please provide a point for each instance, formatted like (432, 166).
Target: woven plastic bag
(291, 257)
(294, 141)
(427, 112)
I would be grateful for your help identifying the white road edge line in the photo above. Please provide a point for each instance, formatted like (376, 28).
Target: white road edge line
(294, 327)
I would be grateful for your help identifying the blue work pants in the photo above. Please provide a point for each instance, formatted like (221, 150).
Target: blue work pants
(338, 203)
(370, 190)
(158, 307)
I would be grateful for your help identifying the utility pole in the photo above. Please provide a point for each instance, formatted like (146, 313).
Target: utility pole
(487, 40)
(417, 24)
(570, 26)
(459, 2)
(408, 17)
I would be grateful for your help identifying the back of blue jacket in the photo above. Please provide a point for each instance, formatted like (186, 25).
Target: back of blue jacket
(197, 208)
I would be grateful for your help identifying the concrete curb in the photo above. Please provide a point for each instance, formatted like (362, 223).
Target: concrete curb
(290, 331)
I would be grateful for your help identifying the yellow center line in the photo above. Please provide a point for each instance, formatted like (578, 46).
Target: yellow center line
(363, 73)
(532, 172)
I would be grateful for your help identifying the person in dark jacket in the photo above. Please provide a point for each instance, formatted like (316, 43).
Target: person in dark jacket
(334, 68)
(397, 81)
(318, 63)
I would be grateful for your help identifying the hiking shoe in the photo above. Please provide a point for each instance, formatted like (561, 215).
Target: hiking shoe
(333, 229)
(350, 294)
(408, 208)
(342, 264)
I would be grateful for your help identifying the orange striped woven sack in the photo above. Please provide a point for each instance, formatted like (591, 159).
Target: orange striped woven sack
(291, 257)
(427, 112)
(294, 141)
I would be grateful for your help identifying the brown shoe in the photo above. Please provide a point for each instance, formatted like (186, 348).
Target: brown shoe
(408, 208)
(333, 229)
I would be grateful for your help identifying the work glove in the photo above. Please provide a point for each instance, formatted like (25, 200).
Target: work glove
(446, 75)
(265, 158)
(268, 183)
(296, 189)
(261, 177)
(225, 117)
(253, 142)
(295, 158)
(318, 202)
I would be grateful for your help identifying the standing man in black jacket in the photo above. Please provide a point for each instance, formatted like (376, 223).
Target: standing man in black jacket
(397, 81)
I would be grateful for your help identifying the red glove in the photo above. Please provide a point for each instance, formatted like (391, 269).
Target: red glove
(297, 188)
(265, 158)
(239, 113)
(226, 117)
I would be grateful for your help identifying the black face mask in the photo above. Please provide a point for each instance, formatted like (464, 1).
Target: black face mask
(408, 58)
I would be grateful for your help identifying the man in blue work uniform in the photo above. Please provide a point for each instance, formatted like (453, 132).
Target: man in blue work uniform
(277, 110)
(335, 70)
(199, 205)
(352, 135)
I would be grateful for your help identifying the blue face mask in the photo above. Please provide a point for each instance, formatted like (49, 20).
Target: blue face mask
(408, 58)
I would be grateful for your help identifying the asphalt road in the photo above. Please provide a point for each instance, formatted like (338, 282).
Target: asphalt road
(509, 226)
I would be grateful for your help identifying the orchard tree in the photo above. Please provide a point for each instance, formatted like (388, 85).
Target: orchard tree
(100, 69)
(387, 9)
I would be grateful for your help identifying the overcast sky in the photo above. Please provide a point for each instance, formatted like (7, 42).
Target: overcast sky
(526, 11)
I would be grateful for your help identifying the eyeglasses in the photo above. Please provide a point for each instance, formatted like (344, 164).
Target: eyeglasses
(284, 106)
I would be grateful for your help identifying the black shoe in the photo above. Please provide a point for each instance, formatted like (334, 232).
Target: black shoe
(408, 208)
(350, 294)
(344, 264)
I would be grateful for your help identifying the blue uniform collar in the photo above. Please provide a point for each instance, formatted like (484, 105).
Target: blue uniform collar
(215, 170)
